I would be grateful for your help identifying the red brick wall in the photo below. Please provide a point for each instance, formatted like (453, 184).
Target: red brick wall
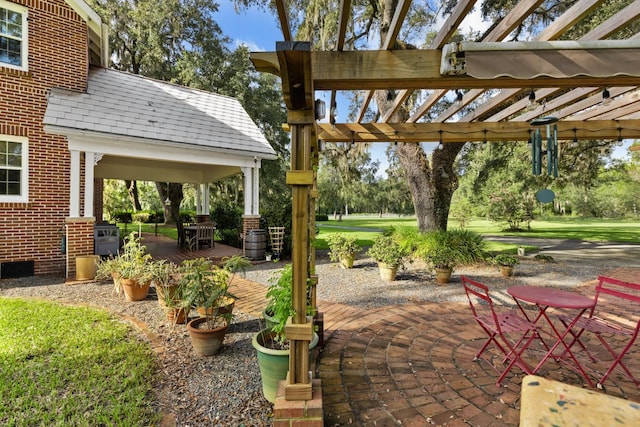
(58, 57)
(79, 242)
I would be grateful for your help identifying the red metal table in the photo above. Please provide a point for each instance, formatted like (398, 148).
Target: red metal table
(545, 298)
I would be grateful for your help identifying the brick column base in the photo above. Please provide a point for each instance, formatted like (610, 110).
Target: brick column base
(79, 232)
(299, 413)
(250, 222)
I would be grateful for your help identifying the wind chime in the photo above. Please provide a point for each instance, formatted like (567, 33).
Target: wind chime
(551, 147)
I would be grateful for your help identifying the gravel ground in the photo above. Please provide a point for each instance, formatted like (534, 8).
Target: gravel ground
(226, 389)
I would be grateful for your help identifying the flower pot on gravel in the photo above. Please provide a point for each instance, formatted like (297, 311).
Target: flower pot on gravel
(206, 341)
(274, 364)
(225, 307)
(506, 270)
(347, 260)
(443, 275)
(133, 291)
(388, 272)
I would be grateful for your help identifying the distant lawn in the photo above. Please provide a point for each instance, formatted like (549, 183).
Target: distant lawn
(610, 230)
(70, 366)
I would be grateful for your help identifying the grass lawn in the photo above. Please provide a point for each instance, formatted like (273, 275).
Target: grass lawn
(625, 231)
(70, 366)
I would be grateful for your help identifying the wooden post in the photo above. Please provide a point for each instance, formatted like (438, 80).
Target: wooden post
(297, 88)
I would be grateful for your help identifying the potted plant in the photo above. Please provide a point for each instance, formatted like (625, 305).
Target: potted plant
(170, 291)
(130, 270)
(343, 248)
(271, 343)
(205, 285)
(386, 250)
(505, 263)
(446, 249)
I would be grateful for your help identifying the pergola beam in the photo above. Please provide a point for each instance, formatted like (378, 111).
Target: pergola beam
(420, 69)
(472, 131)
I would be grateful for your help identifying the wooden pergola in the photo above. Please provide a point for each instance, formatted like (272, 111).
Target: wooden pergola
(590, 85)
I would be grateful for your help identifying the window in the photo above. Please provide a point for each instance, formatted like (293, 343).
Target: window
(13, 35)
(13, 169)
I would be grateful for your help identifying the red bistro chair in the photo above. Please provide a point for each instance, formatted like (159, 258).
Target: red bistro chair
(616, 294)
(508, 331)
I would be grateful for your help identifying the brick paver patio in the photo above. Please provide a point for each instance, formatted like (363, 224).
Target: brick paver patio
(412, 365)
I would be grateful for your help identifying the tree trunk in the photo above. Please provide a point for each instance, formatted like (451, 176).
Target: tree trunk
(132, 189)
(173, 191)
(431, 183)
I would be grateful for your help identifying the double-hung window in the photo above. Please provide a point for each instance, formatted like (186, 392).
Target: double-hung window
(13, 35)
(14, 169)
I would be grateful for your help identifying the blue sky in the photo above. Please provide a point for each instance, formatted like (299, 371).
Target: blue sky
(259, 31)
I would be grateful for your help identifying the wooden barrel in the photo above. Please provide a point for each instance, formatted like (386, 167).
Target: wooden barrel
(255, 244)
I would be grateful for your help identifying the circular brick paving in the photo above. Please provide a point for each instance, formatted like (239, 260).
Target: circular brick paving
(412, 365)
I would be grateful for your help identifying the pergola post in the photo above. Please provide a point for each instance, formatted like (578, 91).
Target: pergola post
(297, 88)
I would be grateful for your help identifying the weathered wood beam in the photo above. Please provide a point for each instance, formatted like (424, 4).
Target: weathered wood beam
(420, 69)
(283, 17)
(295, 65)
(472, 131)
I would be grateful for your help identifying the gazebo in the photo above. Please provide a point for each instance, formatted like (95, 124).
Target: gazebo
(126, 126)
(589, 87)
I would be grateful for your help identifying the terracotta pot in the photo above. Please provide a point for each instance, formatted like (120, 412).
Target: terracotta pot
(206, 342)
(226, 308)
(443, 275)
(388, 272)
(506, 270)
(133, 291)
(176, 315)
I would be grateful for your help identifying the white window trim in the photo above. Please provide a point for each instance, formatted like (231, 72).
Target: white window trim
(24, 50)
(24, 172)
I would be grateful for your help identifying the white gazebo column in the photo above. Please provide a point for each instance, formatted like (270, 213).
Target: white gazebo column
(250, 219)
(206, 205)
(198, 199)
(74, 191)
(89, 164)
(255, 191)
(248, 190)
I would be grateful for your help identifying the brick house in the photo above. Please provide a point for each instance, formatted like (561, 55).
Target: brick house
(67, 122)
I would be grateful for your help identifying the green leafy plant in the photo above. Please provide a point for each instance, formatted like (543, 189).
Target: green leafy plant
(341, 245)
(206, 285)
(133, 263)
(387, 250)
(446, 249)
(506, 260)
(280, 304)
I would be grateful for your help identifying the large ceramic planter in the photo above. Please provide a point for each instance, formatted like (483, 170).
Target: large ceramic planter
(443, 275)
(388, 272)
(134, 291)
(269, 320)
(346, 261)
(274, 364)
(206, 342)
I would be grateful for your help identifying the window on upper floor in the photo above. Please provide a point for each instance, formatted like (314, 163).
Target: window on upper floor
(13, 35)
(14, 169)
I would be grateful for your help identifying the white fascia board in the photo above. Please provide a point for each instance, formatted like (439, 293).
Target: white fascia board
(118, 145)
(89, 15)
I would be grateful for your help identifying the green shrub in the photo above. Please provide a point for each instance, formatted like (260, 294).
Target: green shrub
(123, 217)
(387, 250)
(446, 249)
(322, 217)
